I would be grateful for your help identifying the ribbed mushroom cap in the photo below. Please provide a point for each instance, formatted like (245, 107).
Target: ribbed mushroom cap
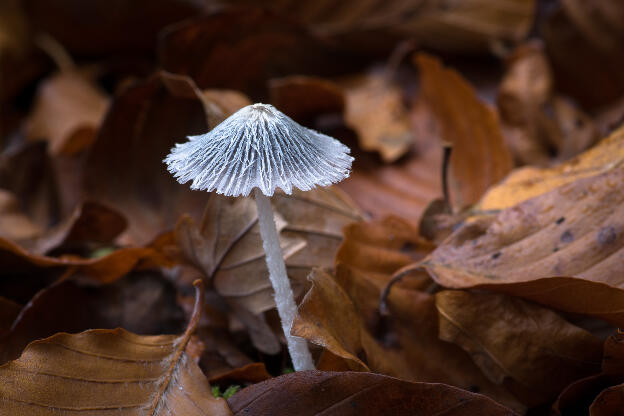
(259, 146)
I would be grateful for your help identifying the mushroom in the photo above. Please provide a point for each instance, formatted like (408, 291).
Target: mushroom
(259, 148)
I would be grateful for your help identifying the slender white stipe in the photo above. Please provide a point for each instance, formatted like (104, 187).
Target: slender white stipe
(259, 148)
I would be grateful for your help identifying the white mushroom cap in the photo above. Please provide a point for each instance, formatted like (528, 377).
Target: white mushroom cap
(259, 146)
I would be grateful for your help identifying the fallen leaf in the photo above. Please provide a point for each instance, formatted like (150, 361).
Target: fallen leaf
(348, 393)
(140, 302)
(518, 344)
(8, 312)
(26, 171)
(327, 317)
(226, 246)
(210, 49)
(124, 168)
(67, 113)
(528, 182)
(404, 343)
(303, 98)
(104, 27)
(524, 94)
(90, 223)
(465, 27)
(14, 224)
(68, 373)
(574, 231)
(580, 395)
(405, 187)
(583, 42)
(480, 157)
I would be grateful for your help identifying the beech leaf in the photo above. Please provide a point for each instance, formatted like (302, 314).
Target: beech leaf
(517, 343)
(102, 371)
(348, 393)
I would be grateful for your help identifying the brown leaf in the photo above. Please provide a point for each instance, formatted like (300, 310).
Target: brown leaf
(125, 170)
(302, 97)
(210, 50)
(327, 317)
(403, 344)
(67, 113)
(467, 26)
(14, 224)
(579, 395)
(140, 302)
(104, 27)
(227, 248)
(518, 344)
(575, 230)
(67, 373)
(405, 187)
(528, 182)
(347, 393)
(376, 112)
(90, 223)
(480, 157)
(583, 42)
(26, 171)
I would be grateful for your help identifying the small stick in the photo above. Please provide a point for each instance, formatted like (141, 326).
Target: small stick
(447, 149)
(396, 277)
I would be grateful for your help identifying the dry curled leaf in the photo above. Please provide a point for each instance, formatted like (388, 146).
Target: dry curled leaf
(575, 230)
(140, 302)
(67, 113)
(102, 371)
(124, 168)
(375, 110)
(480, 157)
(347, 393)
(517, 343)
(303, 97)
(528, 182)
(405, 187)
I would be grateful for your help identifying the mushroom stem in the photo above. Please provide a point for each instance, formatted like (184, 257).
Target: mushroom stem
(284, 299)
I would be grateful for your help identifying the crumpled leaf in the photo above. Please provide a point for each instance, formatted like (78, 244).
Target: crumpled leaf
(376, 112)
(480, 157)
(210, 49)
(67, 112)
(124, 168)
(102, 371)
(528, 182)
(345, 393)
(517, 343)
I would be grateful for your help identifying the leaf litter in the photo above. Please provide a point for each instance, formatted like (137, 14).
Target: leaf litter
(484, 282)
